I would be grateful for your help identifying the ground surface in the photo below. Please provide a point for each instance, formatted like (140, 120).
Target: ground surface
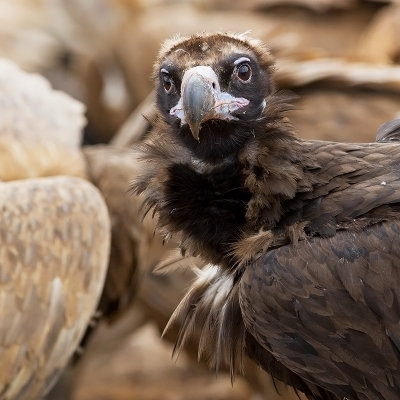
(140, 367)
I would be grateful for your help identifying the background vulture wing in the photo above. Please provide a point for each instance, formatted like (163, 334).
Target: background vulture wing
(54, 246)
(389, 131)
(328, 309)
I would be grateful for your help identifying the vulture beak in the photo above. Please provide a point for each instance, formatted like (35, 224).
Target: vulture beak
(202, 100)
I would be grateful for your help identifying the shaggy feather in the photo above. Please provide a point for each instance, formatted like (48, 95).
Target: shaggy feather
(212, 303)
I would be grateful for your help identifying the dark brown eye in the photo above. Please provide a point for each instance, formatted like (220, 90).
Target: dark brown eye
(166, 81)
(243, 72)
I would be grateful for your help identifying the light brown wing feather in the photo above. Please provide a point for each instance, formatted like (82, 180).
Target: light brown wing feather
(54, 246)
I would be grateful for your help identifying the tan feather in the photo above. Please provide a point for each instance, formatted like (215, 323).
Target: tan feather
(54, 235)
(21, 160)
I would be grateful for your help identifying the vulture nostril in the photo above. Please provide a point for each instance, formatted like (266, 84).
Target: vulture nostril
(213, 85)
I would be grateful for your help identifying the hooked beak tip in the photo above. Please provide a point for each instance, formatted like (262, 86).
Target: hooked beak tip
(195, 130)
(198, 100)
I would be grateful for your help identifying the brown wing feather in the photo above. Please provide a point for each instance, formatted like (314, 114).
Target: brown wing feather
(328, 309)
(54, 244)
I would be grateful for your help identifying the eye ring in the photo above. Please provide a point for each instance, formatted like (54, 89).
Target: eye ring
(167, 81)
(243, 72)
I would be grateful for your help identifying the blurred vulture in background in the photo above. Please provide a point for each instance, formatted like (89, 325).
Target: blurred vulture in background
(389, 131)
(54, 234)
(301, 237)
(54, 250)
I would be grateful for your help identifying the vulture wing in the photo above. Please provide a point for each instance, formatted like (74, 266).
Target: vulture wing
(389, 131)
(328, 309)
(54, 246)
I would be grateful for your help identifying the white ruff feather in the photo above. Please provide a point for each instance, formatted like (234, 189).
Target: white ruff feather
(210, 313)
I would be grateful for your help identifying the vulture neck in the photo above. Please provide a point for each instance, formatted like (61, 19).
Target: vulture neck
(246, 190)
(272, 161)
(273, 168)
(211, 203)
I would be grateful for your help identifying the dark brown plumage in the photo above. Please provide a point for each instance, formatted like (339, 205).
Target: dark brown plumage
(302, 237)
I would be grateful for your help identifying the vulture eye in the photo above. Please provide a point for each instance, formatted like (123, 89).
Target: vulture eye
(166, 81)
(243, 72)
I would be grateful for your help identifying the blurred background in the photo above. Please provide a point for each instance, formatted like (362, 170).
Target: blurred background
(342, 57)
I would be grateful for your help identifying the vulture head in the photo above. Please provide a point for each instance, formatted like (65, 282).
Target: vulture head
(211, 86)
